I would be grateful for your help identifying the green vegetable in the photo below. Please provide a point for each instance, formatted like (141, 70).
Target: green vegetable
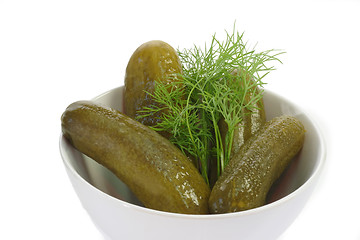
(252, 121)
(248, 177)
(153, 60)
(212, 93)
(157, 172)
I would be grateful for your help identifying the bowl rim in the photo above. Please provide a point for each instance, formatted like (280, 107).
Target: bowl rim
(315, 174)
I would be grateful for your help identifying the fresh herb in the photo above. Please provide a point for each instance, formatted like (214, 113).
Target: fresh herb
(206, 91)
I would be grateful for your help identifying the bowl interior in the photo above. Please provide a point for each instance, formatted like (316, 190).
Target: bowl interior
(299, 171)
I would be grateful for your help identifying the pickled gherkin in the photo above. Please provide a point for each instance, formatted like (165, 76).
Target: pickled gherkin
(158, 173)
(151, 62)
(252, 119)
(248, 177)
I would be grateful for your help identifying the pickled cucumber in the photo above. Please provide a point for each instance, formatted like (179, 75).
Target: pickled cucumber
(252, 119)
(154, 169)
(152, 61)
(248, 177)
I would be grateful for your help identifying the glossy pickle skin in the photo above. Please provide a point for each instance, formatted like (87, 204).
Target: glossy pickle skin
(152, 61)
(157, 172)
(248, 177)
(252, 121)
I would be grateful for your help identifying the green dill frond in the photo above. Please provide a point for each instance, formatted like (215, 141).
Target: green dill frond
(208, 90)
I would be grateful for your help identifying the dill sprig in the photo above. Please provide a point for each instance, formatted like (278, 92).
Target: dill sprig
(207, 90)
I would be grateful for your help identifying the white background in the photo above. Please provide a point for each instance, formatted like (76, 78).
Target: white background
(55, 52)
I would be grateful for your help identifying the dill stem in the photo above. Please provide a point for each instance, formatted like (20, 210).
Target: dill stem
(204, 155)
(228, 145)
(211, 92)
(219, 147)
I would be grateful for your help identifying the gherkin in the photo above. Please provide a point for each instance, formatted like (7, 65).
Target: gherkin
(248, 177)
(252, 119)
(157, 172)
(153, 61)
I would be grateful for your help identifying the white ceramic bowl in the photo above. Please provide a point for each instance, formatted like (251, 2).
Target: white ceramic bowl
(119, 215)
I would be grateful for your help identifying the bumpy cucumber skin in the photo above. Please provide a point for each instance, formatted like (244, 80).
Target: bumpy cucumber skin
(152, 61)
(248, 177)
(252, 121)
(154, 169)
